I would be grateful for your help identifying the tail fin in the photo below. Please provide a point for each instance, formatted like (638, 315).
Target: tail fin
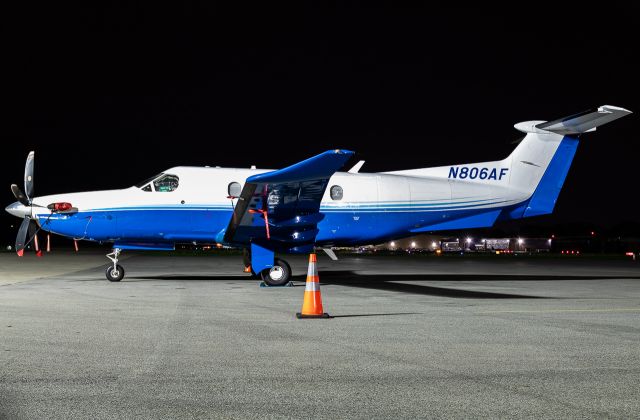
(540, 163)
(529, 180)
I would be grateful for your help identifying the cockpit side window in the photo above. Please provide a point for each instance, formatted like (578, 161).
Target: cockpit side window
(166, 183)
(146, 188)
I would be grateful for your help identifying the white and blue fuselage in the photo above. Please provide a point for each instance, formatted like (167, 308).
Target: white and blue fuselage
(372, 208)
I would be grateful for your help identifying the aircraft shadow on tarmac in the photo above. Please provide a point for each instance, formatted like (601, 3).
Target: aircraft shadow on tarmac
(393, 282)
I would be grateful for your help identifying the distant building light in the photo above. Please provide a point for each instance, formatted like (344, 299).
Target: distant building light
(393, 244)
(593, 233)
(520, 241)
(433, 244)
(413, 244)
(468, 240)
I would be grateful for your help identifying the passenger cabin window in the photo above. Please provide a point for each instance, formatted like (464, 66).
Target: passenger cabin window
(147, 188)
(234, 189)
(166, 183)
(336, 192)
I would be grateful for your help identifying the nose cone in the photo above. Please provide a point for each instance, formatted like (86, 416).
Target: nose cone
(18, 209)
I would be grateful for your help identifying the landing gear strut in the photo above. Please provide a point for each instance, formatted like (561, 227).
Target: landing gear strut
(114, 272)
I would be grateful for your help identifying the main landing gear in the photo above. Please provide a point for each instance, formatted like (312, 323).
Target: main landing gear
(278, 275)
(273, 271)
(114, 272)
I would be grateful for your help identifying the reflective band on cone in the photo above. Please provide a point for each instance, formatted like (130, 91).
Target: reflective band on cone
(48, 243)
(312, 304)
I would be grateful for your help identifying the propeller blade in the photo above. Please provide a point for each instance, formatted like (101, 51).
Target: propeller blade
(33, 229)
(21, 239)
(28, 175)
(19, 195)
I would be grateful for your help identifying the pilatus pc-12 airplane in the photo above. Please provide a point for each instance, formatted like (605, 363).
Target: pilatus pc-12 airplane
(310, 204)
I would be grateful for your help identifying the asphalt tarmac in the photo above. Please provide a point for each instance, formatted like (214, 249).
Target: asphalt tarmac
(412, 337)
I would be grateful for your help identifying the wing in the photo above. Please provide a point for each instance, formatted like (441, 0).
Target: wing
(280, 209)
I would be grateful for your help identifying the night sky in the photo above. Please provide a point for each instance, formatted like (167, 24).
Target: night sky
(108, 96)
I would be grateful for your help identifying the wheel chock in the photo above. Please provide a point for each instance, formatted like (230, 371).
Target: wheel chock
(289, 284)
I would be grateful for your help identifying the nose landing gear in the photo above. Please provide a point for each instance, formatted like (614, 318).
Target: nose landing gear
(114, 272)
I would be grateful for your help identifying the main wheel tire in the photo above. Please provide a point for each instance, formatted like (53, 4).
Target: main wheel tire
(278, 275)
(115, 274)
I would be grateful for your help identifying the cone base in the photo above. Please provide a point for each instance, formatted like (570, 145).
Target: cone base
(302, 316)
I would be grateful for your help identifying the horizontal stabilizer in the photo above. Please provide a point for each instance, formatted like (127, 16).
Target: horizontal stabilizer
(584, 121)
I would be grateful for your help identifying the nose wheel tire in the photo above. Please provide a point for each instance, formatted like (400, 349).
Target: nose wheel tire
(115, 273)
(278, 275)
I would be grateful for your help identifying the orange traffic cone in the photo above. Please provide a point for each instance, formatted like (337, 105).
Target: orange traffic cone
(37, 246)
(312, 305)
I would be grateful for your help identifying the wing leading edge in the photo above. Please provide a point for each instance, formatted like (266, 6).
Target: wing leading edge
(279, 210)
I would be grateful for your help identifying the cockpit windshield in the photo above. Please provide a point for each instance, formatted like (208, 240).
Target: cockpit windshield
(159, 183)
(148, 180)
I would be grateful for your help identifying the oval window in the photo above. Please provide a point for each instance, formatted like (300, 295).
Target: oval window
(234, 189)
(336, 192)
